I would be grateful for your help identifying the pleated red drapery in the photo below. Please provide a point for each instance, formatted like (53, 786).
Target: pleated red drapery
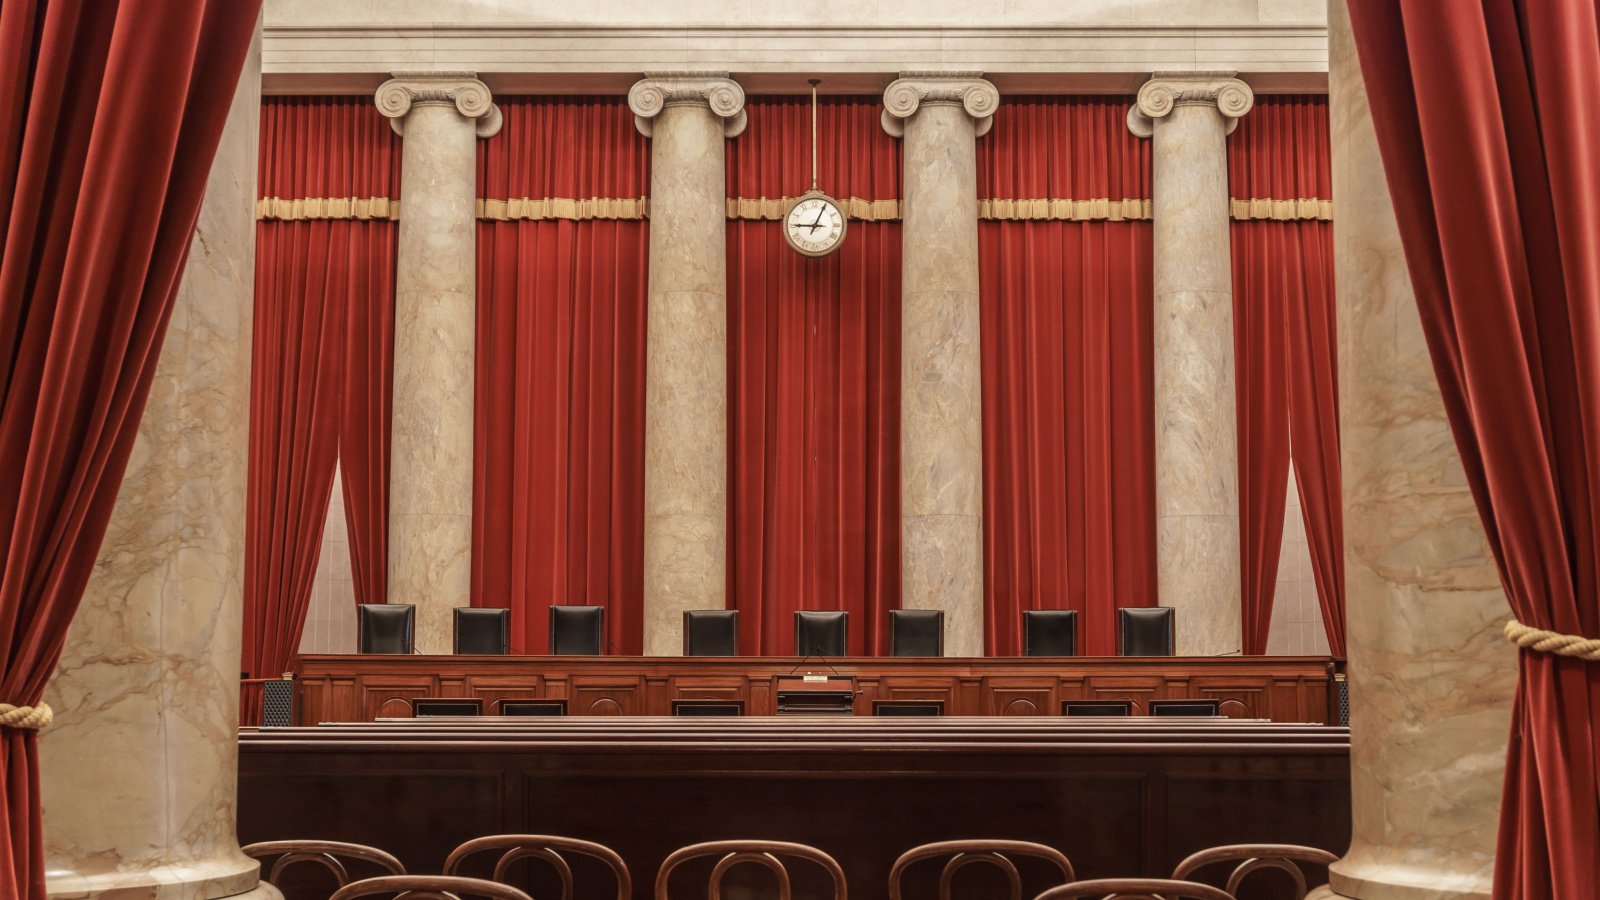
(1490, 137)
(1285, 354)
(1068, 405)
(109, 120)
(322, 348)
(558, 496)
(813, 382)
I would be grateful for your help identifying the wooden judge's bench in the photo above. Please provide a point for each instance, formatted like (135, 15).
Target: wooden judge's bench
(364, 688)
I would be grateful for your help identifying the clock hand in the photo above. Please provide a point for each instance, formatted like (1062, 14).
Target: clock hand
(818, 223)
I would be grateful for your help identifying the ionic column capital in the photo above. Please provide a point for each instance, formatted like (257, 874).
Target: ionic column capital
(714, 90)
(913, 90)
(1165, 91)
(463, 90)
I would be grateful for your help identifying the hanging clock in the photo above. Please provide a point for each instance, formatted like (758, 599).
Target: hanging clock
(814, 224)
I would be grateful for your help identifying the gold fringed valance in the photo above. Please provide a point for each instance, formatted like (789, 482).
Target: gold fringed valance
(535, 209)
(327, 208)
(1126, 209)
(1283, 210)
(772, 208)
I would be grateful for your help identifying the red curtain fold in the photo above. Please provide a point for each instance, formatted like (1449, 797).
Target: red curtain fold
(1068, 403)
(813, 383)
(1491, 144)
(110, 118)
(558, 498)
(1286, 358)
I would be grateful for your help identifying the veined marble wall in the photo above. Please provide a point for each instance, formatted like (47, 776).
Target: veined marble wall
(1297, 628)
(331, 617)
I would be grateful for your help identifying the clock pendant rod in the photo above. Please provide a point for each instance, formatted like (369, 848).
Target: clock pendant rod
(814, 83)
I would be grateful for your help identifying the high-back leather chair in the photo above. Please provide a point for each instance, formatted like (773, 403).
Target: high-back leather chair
(761, 853)
(429, 887)
(331, 855)
(385, 627)
(1146, 630)
(576, 630)
(821, 632)
(989, 852)
(1253, 858)
(1050, 632)
(916, 632)
(483, 632)
(1134, 889)
(711, 632)
(548, 848)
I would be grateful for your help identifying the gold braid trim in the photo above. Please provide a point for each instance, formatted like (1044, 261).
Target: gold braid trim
(1282, 210)
(1573, 645)
(531, 209)
(771, 208)
(327, 208)
(32, 718)
(1125, 210)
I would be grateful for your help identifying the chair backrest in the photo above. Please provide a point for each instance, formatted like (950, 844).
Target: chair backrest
(1097, 707)
(429, 887)
(483, 632)
(424, 707)
(1135, 889)
(576, 630)
(385, 627)
(331, 855)
(547, 848)
(763, 853)
(1146, 630)
(711, 632)
(1050, 632)
(1255, 857)
(821, 632)
(964, 853)
(1199, 707)
(916, 632)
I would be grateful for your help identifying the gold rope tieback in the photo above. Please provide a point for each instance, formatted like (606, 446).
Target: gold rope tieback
(30, 717)
(1574, 645)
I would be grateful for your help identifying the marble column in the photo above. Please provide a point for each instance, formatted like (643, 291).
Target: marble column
(1431, 678)
(440, 115)
(940, 115)
(687, 116)
(140, 767)
(1187, 116)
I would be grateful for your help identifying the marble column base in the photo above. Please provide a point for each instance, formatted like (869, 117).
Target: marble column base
(206, 880)
(1395, 882)
(942, 568)
(1200, 563)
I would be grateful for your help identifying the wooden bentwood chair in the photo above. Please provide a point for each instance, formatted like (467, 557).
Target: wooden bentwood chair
(965, 853)
(764, 853)
(547, 848)
(331, 855)
(1134, 889)
(1254, 858)
(429, 887)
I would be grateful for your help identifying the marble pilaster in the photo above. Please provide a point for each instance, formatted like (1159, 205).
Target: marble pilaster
(139, 769)
(940, 115)
(687, 116)
(1187, 116)
(1431, 678)
(440, 115)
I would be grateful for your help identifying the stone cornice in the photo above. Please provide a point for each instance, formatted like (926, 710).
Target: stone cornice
(1165, 91)
(913, 90)
(713, 90)
(463, 90)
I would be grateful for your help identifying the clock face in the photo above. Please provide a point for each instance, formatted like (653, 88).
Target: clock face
(814, 225)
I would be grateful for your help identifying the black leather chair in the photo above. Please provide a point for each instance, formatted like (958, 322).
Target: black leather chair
(483, 632)
(1146, 630)
(576, 630)
(819, 632)
(711, 632)
(916, 632)
(385, 627)
(1050, 632)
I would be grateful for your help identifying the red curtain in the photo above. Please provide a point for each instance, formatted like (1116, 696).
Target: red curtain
(813, 383)
(320, 379)
(109, 120)
(1068, 404)
(1490, 136)
(558, 508)
(1286, 358)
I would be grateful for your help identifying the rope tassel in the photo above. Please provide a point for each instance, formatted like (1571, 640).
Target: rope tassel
(30, 717)
(1573, 645)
